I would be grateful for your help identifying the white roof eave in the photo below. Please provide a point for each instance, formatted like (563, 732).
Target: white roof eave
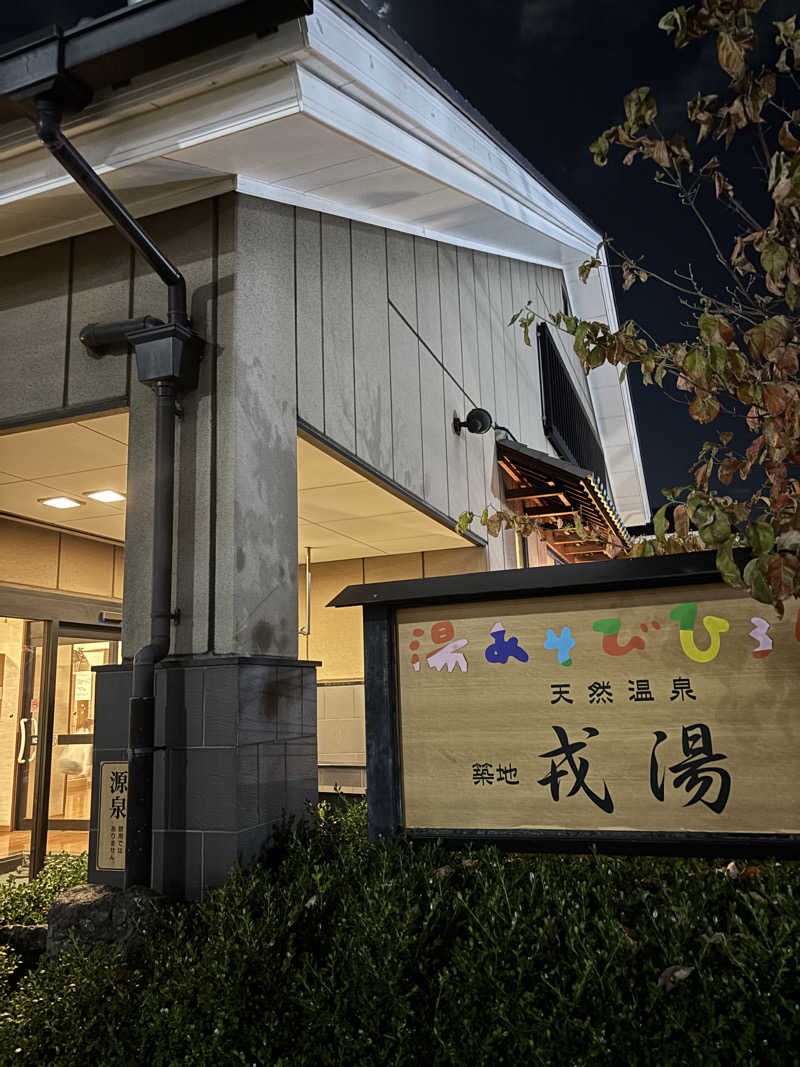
(332, 70)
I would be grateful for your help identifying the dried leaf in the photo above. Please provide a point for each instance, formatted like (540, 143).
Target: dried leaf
(494, 524)
(630, 935)
(661, 154)
(730, 53)
(775, 397)
(660, 522)
(680, 520)
(704, 409)
(786, 138)
(714, 939)
(731, 871)
(782, 575)
(640, 109)
(669, 978)
(727, 469)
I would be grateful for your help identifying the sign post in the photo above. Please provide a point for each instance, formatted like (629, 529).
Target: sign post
(637, 705)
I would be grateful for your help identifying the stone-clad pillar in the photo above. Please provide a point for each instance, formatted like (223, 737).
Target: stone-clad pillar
(235, 710)
(236, 756)
(256, 486)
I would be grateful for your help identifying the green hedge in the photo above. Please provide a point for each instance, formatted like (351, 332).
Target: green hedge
(28, 902)
(336, 952)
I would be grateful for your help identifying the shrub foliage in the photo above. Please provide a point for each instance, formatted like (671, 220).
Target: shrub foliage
(28, 902)
(335, 951)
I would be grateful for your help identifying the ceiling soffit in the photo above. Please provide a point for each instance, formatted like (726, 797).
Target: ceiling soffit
(70, 459)
(342, 514)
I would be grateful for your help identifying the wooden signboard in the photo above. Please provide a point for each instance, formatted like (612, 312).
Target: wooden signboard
(640, 719)
(113, 816)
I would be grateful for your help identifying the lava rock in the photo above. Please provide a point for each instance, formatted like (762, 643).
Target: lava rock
(28, 942)
(101, 914)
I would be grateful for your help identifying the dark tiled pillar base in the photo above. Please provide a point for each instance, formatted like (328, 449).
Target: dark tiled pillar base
(236, 742)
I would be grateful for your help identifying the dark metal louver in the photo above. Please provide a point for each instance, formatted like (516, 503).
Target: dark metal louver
(566, 424)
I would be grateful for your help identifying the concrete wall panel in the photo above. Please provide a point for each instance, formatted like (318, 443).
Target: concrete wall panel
(34, 297)
(86, 566)
(402, 274)
(455, 450)
(393, 568)
(373, 392)
(497, 340)
(469, 328)
(454, 561)
(44, 558)
(28, 555)
(310, 379)
(225, 455)
(262, 565)
(336, 633)
(527, 373)
(434, 431)
(429, 316)
(507, 309)
(406, 417)
(478, 484)
(101, 292)
(450, 312)
(337, 332)
(483, 332)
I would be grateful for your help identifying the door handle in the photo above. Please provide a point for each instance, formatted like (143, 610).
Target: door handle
(21, 753)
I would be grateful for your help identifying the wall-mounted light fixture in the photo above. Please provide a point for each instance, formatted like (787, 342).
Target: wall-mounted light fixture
(477, 421)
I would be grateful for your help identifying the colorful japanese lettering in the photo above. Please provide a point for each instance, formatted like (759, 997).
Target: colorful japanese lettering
(686, 615)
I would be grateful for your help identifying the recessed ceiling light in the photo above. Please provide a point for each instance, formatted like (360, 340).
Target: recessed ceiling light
(61, 502)
(106, 496)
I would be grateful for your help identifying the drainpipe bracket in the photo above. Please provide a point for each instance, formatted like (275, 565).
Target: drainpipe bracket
(169, 352)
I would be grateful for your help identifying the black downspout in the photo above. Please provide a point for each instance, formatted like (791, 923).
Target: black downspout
(138, 842)
(167, 357)
(48, 127)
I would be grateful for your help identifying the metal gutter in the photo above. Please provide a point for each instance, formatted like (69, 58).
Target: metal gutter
(112, 49)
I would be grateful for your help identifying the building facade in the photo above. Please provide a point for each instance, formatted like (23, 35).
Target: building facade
(354, 241)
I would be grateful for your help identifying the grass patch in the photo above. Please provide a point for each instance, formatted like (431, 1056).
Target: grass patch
(338, 952)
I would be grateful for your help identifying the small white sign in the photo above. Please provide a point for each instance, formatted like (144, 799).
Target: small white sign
(113, 816)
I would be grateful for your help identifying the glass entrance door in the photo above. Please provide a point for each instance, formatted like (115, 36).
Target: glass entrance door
(28, 722)
(47, 736)
(70, 787)
(21, 655)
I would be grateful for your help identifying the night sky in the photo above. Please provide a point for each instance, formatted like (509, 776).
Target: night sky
(550, 75)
